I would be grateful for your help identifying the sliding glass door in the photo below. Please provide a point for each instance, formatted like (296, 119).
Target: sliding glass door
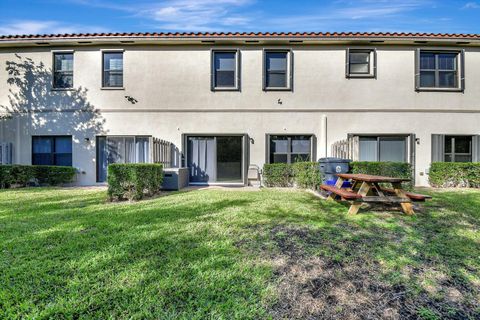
(215, 159)
(116, 149)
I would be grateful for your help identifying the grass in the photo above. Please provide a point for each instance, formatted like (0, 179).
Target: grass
(67, 253)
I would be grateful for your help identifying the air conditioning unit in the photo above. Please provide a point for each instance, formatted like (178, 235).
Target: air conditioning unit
(6, 152)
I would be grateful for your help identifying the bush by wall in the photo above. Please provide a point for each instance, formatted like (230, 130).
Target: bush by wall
(301, 174)
(455, 174)
(307, 175)
(133, 181)
(387, 169)
(277, 175)
(21, 175)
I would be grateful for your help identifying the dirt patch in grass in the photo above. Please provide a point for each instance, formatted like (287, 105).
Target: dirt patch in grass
(347, 282)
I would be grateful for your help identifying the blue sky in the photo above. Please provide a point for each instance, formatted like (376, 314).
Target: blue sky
(66, 16)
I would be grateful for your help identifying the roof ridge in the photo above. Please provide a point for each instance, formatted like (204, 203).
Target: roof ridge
(231, 34)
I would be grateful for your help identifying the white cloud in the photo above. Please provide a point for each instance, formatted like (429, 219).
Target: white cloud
(20, 27)
(471, 5)
(182, 15)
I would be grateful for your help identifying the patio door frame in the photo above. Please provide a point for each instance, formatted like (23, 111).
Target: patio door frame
(245, 155)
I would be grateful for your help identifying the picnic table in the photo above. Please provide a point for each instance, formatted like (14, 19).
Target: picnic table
(366, 189)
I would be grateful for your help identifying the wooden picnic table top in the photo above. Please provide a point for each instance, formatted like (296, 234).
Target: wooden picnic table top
(370, 178)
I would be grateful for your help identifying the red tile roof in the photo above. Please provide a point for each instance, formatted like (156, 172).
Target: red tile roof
(233, 35)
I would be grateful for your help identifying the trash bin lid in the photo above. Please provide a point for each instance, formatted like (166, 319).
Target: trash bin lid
(335, 160)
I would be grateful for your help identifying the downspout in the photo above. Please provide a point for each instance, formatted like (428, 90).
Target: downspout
(323, 137)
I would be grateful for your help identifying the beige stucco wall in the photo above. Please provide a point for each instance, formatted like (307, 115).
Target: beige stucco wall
(172, 86)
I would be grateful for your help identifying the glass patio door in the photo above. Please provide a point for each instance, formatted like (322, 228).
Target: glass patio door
(215, 158)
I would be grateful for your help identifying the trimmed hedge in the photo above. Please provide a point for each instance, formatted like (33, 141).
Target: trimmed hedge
(307, 175)
(455, 174)
(22, 175)
(133, 181)
(386, 169)
(300, 174)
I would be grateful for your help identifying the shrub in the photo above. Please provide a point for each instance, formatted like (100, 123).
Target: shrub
(386, 169)
(21, 175)
(307, 175)
(300, 174)
(133, 181)
(277, 175)
(455, 174)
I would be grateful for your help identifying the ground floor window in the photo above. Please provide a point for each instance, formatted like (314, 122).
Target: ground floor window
(289, 148)
(458, 149)
(120, 149)
(52, 150)
(383, 148)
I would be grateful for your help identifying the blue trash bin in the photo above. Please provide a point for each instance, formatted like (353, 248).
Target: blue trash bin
(331, 166)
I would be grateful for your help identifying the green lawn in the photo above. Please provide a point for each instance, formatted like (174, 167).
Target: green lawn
(67, 253)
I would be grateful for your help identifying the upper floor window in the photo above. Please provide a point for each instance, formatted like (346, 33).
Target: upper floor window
(439, 70)
(63, 70)
(52, 150)
(225, 70)
(113, 69)
(361, 63)
(277, 70)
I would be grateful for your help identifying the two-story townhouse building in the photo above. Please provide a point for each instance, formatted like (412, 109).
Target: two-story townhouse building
(228, 101)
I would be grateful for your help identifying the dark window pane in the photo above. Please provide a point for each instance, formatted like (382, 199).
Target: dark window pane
(427, 60)
(448, 144)
(392, 149)
(63, 80)
(463, 144)
(225, 79)
(359, 68)
(42, 145)
(427, 79)
(63, 61)
(463, 158)
(359, 57)
(63, 145)
(277, 80)
(447, 79)
(300, 157)
(63, 159)
(447, 61)
(276, 61)
(279, 158)
(42, 159)
(448, 158)
(368, 149)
